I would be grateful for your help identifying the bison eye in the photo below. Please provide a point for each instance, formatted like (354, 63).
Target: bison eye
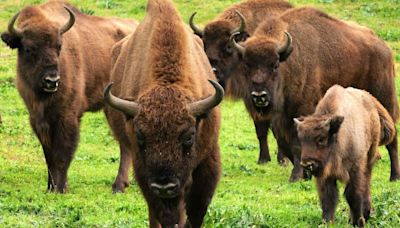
(228, 50)
(140, 139)
(28, 51)
(187, 139)
(321, 141)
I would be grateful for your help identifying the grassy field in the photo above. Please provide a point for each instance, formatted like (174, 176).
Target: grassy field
(248, 195)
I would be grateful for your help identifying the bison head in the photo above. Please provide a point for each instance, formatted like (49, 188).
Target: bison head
(165, 127)
(261, 58)
(39, 45)
(317, 135)
(222, 56)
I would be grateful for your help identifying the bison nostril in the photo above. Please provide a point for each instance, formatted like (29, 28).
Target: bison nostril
(50, 80)
(262, 94)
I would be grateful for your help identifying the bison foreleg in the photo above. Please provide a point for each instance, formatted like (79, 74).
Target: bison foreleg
(394, 159)
(64, 139)
(328, 196)
(125, 162)
(205, 179)
(262, 135)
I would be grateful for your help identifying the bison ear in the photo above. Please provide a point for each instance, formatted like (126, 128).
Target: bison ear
(11, 40)
(334, 124)
(284, 55)
(297, 121)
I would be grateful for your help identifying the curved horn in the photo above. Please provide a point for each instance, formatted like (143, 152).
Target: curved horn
(242, 26)
(130, 108)
(14, 31)
(283, 48)
(70, 22)
(199, 108)
(235, 45)
(195, 29)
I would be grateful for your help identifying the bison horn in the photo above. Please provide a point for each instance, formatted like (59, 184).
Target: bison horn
(237, 46)
(130, 108)
(242, 26)
(283, 48)
(195, 29)
(201, 107)
(70, 22)
(14, 31)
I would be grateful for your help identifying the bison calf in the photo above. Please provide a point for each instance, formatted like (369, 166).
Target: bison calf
(340, 142)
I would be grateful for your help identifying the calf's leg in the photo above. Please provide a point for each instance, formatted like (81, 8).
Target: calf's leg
(354, 193)
(328, 196)
(394, 159)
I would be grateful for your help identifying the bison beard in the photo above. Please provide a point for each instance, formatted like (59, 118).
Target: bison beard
(58, 77)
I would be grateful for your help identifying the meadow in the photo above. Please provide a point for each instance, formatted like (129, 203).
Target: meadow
(248, 195)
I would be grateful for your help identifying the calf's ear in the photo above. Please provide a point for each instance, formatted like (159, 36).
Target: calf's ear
(11, 40)
(241, 37)
(334, 124)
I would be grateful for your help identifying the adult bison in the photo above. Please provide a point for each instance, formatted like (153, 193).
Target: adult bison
(220, 53)
(293, 59)
(164, 116)
(63, 65)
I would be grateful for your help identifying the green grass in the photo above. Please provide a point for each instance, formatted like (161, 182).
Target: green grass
(248, 195)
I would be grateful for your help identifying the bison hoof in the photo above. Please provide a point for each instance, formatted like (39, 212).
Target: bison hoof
(295, 178)
(360, 222)
(395, 177)
(263, 161)
(119, 187)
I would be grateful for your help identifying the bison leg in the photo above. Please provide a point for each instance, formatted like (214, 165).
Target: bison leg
(205, 179)
(328, 196)
(64, 140)
(354, 193)
(394, 159)
(122, 179)
(262, 135)
(297, 171)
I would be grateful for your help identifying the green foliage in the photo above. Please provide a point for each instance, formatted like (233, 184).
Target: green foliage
(248, 195)
(87, 11)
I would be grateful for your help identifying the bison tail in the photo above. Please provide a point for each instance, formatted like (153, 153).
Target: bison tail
(388, 128)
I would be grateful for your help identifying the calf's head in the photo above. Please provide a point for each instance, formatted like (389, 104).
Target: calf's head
(39, 43)
(222, 56)
(261, 58)
(317, 135)
(164, 124)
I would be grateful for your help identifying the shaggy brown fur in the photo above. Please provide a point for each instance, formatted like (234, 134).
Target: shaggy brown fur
(325, 51)
(81, 60)
(224, 58)
(162, 66)
(340, 142)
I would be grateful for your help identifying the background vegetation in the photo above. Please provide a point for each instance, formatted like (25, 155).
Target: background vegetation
(249, 195)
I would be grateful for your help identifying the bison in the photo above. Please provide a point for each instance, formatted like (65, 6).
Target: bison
(63, 65)
(294, 58)
(220, 53)
(165, 118)
(339, 141)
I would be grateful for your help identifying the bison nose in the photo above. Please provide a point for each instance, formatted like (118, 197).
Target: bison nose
(168, 190)
(260, 99)
(51, 83)
(309, 164)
